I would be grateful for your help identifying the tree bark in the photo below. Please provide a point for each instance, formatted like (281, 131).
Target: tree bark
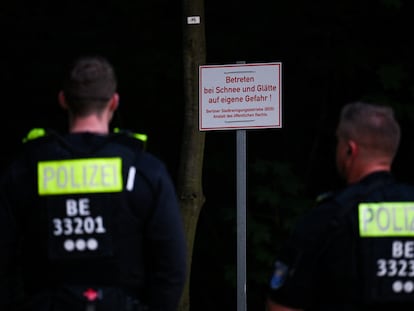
(189, 186)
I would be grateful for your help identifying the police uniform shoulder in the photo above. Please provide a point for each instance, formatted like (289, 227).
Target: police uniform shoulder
(324, 197)
(130, 137)
(37, 137)
(35, 133)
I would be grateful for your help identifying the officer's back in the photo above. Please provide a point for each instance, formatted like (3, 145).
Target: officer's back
(354, 251)
(92, 219)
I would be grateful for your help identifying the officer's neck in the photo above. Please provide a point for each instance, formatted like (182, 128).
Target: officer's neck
(91, 124)
(357, 175)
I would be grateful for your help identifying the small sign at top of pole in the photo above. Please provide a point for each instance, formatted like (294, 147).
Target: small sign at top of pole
(242, 96)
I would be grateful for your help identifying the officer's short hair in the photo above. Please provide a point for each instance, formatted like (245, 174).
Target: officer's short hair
(89, 84)
(371, 125)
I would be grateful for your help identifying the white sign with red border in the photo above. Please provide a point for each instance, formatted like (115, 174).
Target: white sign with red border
(246, 96)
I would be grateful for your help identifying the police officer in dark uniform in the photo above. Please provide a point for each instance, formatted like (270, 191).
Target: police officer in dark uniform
(89, 221)
(355, 249)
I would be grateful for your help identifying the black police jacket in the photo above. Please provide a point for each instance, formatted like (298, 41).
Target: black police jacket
(89, 210)
(354, 251)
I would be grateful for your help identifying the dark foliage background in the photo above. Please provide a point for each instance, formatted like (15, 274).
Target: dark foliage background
(332, 52)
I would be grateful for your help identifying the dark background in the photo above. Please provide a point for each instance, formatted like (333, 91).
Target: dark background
(332, 52)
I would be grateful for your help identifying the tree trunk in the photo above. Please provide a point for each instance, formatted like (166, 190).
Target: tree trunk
(189, 187)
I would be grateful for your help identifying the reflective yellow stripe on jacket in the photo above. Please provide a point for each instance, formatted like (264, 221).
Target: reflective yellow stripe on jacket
(91, 175)
(386, 219)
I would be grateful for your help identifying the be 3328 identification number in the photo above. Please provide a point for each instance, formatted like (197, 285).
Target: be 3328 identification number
(395, 267)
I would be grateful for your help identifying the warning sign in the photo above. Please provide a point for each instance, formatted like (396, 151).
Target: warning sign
(240, 96)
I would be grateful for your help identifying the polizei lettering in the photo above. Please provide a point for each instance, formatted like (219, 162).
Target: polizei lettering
(80, 176)
(386, 230)
(386, 219)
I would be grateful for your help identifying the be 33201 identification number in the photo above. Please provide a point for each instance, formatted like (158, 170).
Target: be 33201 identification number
(78, 225)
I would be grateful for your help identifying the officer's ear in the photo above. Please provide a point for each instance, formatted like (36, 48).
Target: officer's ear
(114, 102)
(352, 148)
(62, 100)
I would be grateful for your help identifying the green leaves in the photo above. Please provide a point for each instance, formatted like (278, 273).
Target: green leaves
(392, 4)
(393, 76)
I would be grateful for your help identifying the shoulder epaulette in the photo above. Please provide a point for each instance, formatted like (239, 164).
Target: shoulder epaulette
(324, 197)
(35, 133)
(142, 137)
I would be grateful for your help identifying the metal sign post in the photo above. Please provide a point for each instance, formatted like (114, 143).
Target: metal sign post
(241, 220)
(240, 97)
